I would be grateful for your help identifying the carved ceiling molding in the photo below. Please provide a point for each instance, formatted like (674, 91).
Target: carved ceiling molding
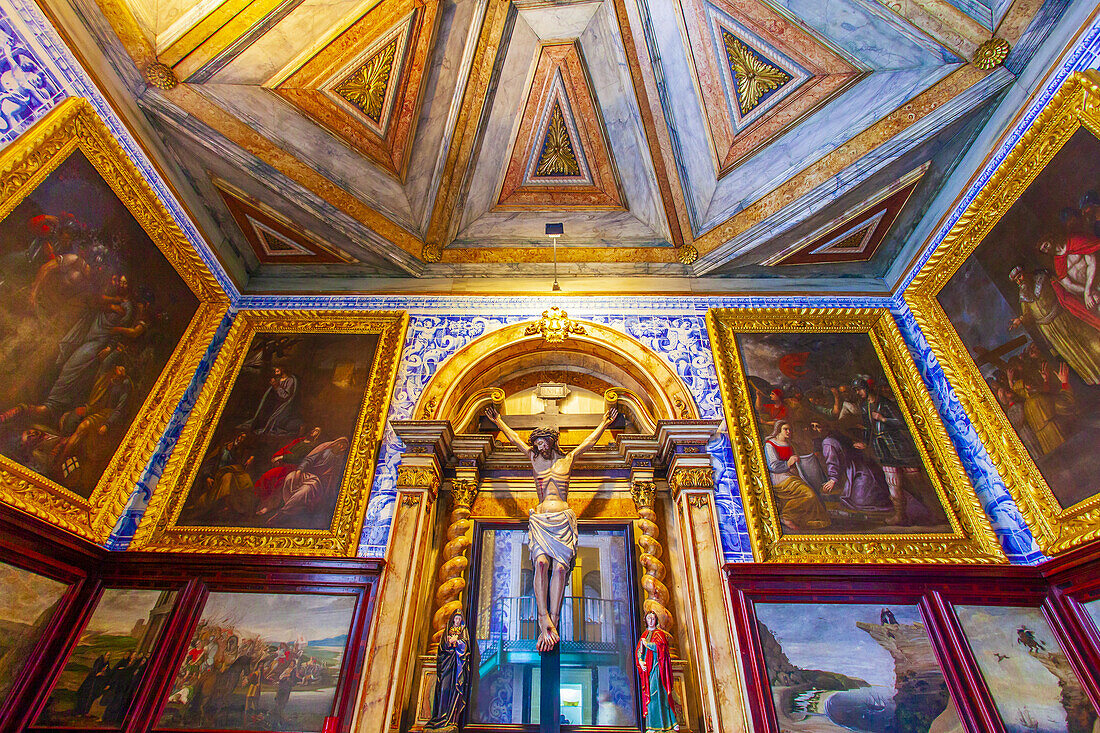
(758, 73)
(560, 157)
(856, 235)
(365, 86)
(274, 239)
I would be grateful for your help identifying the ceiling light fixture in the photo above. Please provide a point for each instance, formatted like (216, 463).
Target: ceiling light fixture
(554, 231)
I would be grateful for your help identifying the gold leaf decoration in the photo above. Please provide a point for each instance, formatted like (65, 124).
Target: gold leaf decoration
(754, 77)
(557, 157)
(366, 86)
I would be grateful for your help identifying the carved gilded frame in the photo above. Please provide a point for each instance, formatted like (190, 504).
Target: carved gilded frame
(1076, 105)
(74, 126)
(160, 530)
(971, 540)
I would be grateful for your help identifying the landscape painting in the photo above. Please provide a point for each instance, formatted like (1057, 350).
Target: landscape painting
(27, 604)
(837, 668)
(105, 670)
(1027, 309)
(838, 449)
(1027, 674)
(261, 661)
(278, 453)
(90, 313)
(1092, 608)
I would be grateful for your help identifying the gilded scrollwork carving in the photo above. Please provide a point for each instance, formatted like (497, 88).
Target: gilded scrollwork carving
(696, 477)
(417, 477)
(649, 556)
(1056, 529)
(971, 539)
(452, 570)
(73, 126)
(555, 326)
(161, 531)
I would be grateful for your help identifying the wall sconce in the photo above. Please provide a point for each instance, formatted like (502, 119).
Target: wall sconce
(554, 231)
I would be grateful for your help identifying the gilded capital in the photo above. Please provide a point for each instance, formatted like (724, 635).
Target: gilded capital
(417, 477)
(463, 493)
(691, 478)
(642, 493)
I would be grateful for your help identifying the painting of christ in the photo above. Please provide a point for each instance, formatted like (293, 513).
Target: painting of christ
(1026, 305)
(839, 451)
(278, 453)
(90, 313)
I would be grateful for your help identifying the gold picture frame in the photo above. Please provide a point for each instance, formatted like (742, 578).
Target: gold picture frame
(1075, 106)
(24, 165)
(161, 531)
(971, 539)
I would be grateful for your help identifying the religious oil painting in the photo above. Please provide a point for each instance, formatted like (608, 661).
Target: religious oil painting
(836, 668)
(261, 661)
(289, 439)
(599, 684)
(1020, 306)
(1028, 676)
(1092, 610)
(833, 434)
(27, 605)
(105, 670)
(278, 454)
(1011, 307)
(103, 308)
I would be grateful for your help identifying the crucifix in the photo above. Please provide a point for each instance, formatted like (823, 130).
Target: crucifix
(551, 531)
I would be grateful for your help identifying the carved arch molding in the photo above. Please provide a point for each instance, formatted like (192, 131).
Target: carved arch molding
(589, 355)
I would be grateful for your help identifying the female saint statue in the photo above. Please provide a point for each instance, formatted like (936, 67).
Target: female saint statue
(655, 671)
(452, 676)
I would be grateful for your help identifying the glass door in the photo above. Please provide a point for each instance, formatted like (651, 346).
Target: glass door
(597, 629)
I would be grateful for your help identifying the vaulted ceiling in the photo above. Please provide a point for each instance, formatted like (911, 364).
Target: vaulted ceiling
(738, 143)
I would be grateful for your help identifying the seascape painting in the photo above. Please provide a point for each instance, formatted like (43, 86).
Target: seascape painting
(27, 604)
(278, 453)
(261, 661)
(1026, 305)
(90, 313)
(1029, 677)
(105, 670)
(839, 452)
(837, 668)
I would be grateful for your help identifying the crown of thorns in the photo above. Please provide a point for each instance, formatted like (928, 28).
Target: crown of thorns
(551, 433)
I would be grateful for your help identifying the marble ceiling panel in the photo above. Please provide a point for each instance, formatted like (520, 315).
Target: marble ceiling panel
(506, 202)
(730, 129)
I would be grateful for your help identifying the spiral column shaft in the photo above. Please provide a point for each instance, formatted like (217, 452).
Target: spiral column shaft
(452, 570)
(653, 570)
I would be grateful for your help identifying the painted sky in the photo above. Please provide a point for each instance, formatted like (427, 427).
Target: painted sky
(825, 637)
(282, 617)
(1015, 678)
(26, 594)
(120, 608)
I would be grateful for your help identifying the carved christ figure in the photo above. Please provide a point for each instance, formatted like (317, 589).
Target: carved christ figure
(552, 525)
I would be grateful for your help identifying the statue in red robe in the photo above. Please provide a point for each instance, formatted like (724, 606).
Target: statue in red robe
(654, 664)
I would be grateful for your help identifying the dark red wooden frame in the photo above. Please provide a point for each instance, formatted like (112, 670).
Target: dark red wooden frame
(35, 546)
(1058, 587)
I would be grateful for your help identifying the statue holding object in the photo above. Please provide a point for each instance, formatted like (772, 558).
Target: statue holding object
(654, 663)
(452, 676)
(552, 525)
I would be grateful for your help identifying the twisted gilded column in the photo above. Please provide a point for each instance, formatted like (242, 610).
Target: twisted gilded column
(452, 571)
(653, 570)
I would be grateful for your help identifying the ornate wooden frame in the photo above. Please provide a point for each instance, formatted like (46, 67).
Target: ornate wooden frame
(971, 540)
(160, 530)
(1076, 105)
(74, 126)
